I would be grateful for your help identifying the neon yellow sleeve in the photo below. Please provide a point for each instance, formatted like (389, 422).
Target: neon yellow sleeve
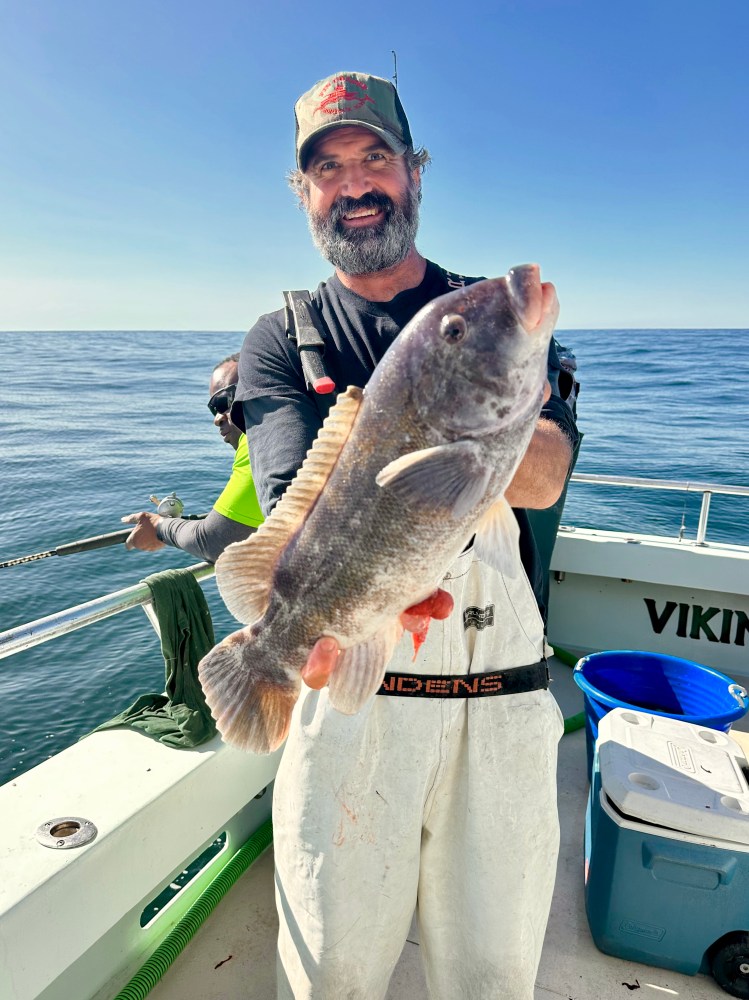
(238, 500)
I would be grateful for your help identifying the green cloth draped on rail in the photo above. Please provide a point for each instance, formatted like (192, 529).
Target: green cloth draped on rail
(178, 717)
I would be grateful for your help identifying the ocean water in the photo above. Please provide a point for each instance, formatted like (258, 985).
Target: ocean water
(91, 424)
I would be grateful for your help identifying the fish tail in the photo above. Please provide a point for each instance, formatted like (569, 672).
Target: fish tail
(250, 699)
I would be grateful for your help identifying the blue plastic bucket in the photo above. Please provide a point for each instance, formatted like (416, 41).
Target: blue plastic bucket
(659, 684)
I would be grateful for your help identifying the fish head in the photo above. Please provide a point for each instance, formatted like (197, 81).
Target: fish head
(475, 359)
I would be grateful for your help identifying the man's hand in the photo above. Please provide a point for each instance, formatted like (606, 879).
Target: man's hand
(324, 655)
(143, 536)
(539, 479)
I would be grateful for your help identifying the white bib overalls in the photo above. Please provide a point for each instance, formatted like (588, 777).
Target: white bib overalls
(443, 805)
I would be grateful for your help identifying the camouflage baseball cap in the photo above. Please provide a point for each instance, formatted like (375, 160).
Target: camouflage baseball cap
(351, 99)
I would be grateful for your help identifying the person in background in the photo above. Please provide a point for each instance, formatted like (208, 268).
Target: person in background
(443, 806)
(222, 387)
(236, 513)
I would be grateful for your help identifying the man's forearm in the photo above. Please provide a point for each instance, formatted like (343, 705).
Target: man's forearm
(206, 538)
(539, 479)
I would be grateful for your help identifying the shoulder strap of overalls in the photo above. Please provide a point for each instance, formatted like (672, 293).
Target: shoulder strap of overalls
(305, 327)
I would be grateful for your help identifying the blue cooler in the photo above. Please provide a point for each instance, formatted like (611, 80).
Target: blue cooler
(667, 846)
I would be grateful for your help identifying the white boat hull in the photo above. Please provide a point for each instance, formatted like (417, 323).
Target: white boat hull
(622, 591)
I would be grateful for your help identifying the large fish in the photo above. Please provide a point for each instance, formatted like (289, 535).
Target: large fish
(400, 478)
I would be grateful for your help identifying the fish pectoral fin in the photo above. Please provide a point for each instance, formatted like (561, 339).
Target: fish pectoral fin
(359, 671)
(448, 475)
(497, 540)
(252, 704)
(245, 570)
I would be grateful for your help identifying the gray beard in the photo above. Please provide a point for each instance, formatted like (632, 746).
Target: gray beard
(371, 248)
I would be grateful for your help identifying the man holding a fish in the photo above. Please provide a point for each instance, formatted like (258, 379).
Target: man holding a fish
(415, 777)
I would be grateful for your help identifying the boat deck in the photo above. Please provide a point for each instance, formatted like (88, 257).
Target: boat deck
(233, 954)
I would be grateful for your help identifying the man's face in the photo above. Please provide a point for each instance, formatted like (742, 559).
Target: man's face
(362, 203)
(222, 377)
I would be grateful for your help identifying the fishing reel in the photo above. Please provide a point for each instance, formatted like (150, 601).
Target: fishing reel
(169, 506)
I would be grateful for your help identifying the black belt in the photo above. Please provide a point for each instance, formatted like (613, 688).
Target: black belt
(514, 681)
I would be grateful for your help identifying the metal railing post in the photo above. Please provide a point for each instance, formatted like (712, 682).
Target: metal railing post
(704, 509)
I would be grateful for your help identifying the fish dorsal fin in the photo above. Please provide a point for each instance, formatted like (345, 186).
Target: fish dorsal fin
(245, 570)
(448, 475)
(497, 539)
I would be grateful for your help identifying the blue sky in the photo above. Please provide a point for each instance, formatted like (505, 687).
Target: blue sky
(144, 145)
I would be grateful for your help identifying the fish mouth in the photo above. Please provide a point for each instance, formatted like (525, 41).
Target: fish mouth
(533, 301)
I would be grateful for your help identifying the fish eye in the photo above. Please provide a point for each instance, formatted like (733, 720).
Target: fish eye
(453, 328)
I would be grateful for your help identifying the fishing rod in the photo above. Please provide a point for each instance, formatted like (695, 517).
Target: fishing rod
(83, 545)
(170, 506)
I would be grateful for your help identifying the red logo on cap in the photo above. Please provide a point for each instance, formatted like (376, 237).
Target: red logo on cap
(343, 88)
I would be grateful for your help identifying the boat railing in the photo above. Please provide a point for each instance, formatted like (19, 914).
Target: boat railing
(683, 486)
(61, 622)
(44, 629)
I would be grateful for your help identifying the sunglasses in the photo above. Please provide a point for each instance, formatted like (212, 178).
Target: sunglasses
(221, 401)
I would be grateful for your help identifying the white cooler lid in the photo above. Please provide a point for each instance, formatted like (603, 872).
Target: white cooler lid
(675, 774)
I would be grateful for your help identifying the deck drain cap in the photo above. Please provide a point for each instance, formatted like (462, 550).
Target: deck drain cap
(65, 832)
